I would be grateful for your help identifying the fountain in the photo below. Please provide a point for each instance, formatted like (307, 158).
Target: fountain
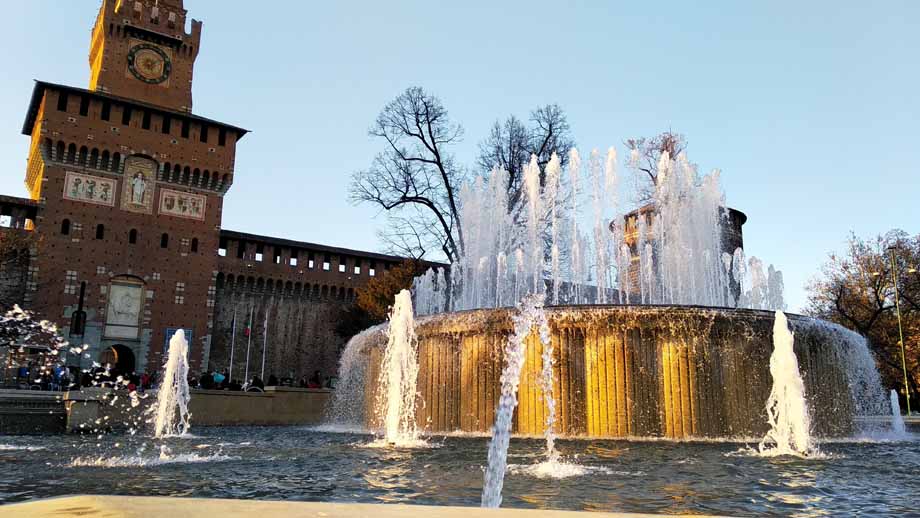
(397, 393)
(787, 408)
(530, 315)
(656, 325)
(173, 396)
(898, 428)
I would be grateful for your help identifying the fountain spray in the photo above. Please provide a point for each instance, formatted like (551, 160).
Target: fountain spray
(787, 409)
(399, 375)
(173, 395)
(530, 314)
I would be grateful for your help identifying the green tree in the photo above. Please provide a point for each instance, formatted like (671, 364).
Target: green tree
(856, 290)
(373, 301)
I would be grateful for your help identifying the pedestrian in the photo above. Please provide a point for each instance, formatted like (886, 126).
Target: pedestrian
(316, 381)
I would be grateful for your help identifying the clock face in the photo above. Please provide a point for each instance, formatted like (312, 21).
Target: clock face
(149, 63)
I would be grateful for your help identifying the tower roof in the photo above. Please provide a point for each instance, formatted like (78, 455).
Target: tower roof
(39, 93)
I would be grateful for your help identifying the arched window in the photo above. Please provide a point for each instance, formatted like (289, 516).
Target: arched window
(65, 227)
(194, 244)
(132, 236)
(164, 241)
(71, 153)
(100, 231)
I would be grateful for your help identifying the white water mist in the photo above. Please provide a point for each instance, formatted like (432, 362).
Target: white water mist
(787, 409)
(171, 410)
(399, 375)
(530, 315)
(897, 422)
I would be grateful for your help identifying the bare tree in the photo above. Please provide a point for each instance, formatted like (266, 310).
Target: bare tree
(511, 143)
(646, 152)
(415, 178)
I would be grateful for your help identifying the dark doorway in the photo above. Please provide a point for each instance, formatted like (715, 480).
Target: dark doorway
(120, 357)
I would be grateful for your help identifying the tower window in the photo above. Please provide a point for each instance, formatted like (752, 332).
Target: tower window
(132, 236)
(106, 111)
(259, 252)
(194, 245)
(62, 102)
(293, 259)
(126, 115)
(241, 250)
(357, 266)
(222, 137)
(203, 133)
(185, 128)
(167, 123)
(100, 231)
(327, 262)
(372, 271)
(65, 227)
(276, 255)
(311, 260)
(341, 264)
(164, 241)
(145, 123)
(84, 106)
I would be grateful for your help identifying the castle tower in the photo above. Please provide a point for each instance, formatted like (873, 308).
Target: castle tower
(129, 186)
(139, 50)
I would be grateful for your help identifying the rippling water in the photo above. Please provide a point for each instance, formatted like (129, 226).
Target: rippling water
(876, 478)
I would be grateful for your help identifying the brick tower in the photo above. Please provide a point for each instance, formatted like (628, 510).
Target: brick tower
(129, 185)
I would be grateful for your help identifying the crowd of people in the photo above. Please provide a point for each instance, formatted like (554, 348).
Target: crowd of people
(31, 376)
(217, 380)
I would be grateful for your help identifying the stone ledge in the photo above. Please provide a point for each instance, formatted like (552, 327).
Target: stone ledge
(145, 507)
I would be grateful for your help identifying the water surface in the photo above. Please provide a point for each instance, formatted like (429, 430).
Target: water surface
(872, 478)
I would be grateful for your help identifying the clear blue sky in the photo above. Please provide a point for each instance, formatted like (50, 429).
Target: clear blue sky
(810, 109)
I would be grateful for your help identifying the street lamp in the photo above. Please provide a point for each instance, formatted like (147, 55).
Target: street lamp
(897, 305)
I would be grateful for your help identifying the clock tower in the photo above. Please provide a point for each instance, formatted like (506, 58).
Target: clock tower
(129, 186)
(140, 50)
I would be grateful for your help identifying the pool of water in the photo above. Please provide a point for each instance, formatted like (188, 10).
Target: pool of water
(872, 477)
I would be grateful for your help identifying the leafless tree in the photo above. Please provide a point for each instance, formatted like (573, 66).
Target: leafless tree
(511, 143)
(647, 152)
(415, 179)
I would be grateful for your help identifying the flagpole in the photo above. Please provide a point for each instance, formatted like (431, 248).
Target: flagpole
(232, 346)
(264, 343)
(248, 343)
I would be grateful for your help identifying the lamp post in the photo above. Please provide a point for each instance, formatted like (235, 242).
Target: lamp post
(897, 305)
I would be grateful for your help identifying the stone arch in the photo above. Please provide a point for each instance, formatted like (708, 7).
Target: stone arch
(71, 153)
(121, 358)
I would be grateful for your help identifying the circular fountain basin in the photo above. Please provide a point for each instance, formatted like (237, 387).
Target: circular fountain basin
(624, 371)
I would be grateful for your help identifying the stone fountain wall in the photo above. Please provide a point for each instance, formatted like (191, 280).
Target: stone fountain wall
(619, 371)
